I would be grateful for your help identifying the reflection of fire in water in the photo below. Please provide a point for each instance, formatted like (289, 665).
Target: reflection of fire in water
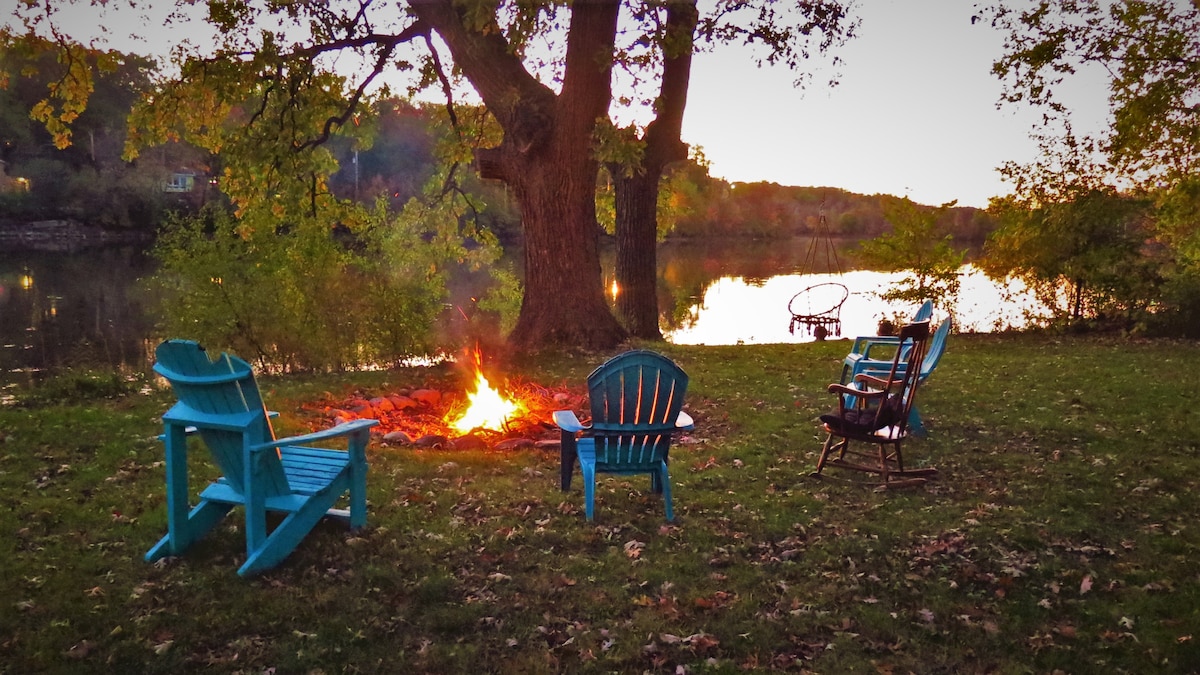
(487, 408)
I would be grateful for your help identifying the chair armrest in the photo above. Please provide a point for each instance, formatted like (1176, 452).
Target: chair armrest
(879, 368)
(684, 422)
(845, 390)
(863, 343)
(871, 347)
(879, 383)
(344, 429)
(567, 421)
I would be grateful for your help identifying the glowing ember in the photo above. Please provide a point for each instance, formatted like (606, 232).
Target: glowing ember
(487, 409)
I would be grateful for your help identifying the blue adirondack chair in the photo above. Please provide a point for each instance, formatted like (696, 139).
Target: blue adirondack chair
(220, 401)
(636, 401)
(873, 410)
(865, 344)
(937, 347)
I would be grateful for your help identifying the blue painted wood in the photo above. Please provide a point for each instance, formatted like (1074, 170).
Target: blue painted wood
(937, 347)
(864, 345)
(219, 401)
(636, 403)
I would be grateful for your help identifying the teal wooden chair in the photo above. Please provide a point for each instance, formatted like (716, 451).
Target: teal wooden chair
(636, 401)
(873, 410)
(864, 345)
(220, 401)
(937, 347)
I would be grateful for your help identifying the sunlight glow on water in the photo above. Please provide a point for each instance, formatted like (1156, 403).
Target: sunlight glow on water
(734, 312)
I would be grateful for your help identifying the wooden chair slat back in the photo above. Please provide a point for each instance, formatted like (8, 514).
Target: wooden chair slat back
(916, 335)
(219, 389)
(635, 399)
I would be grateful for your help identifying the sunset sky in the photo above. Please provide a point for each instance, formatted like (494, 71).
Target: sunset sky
(914, 115)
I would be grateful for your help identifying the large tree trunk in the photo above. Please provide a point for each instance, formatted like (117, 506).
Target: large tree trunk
(636, 191)
(636, 198)
(546, 159)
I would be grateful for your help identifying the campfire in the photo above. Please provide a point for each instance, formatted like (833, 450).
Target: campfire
(488, 409)
(441, 417)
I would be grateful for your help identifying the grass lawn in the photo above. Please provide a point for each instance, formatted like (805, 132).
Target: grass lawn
(1061, 535)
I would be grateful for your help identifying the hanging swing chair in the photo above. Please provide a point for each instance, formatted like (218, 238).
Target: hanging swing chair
(828, 296)
(818, 308)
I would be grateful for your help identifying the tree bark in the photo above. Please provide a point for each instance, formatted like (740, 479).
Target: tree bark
(636, 191)
(546, 159)
(636, 204)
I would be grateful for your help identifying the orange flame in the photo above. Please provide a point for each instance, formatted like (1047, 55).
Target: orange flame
(487, 409)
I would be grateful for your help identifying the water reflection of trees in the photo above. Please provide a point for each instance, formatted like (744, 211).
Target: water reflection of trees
(74, 310)
(686, 270)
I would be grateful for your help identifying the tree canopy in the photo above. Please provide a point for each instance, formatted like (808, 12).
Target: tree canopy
(1150, 54)
(1112, 212)
(283, 78)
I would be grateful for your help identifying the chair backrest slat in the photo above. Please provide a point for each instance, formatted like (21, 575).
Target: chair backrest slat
(937, 346)
(635, 399)
(917, 335)
(222, 387)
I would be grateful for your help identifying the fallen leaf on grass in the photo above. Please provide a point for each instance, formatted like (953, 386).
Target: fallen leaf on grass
(1085, 585)
(633, 548)
(1066, 630)
(702, 641)
(80, 650)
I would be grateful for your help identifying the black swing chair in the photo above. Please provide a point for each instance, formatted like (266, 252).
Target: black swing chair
(818, 308)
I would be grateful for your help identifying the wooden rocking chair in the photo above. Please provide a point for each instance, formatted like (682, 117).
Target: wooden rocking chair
(875, 409)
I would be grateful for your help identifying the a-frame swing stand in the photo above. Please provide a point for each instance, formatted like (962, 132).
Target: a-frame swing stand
(819, 307)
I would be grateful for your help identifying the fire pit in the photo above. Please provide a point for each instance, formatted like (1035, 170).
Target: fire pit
(434, 417)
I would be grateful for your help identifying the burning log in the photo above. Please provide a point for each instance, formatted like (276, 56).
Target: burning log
(430, 418)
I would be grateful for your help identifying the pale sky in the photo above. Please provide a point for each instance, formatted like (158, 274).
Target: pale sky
(914, 114)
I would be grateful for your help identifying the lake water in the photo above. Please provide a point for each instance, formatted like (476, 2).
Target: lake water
(734, 310)
(87, 308)
(72, 309)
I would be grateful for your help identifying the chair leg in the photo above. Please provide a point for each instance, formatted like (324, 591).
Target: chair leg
(358, 481)
(664, 479)
(567, 456)
(915, 426)
(883, 462)
(358, 497)
(288, 534)
(589, 490)
(902, 477)
(829, 447)
(190, 530)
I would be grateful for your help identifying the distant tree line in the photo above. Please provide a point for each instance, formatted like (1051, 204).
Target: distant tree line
(90, 182)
